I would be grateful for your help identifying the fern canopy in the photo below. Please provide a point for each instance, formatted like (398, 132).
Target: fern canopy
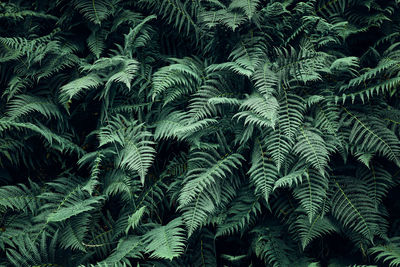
(200, 133)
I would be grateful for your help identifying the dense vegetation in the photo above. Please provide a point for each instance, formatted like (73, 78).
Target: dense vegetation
(200, 133)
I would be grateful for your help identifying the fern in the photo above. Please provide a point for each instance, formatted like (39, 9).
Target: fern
(259, 110)
(312, 148)
(22, 105)
(26, 253)
(172, 243)
(249, 7)
(289, 119)
(135, 152)
(309, 231)
(206, 169)
(18, 197)
(263, 172)
(199, 133)
(95, 11)
(388, 253)
(241, 213)
(270, 248)
(352, 206)
(76, 87)
(372, 137)
(312, 193)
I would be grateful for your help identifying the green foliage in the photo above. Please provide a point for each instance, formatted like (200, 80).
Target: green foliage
(171, 244)
(388, 253)
(199, 133)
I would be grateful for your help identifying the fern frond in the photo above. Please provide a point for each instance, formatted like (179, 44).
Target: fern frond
(119, 182)
(372, 135)
(136, 151)
(67, 200)
(27, 253)
(134, 219)
(185, 73)
(18, 197)
(221, 14)
(206, 169)
(295, 177)
(196, 212)
(240, 213)
(74, 232)
(22, 105)
(352, 206)
(378, 180)
(312, 193)
(123, 70)
(312, 148)
(95, 11)
(270, 247)
(389, 253)
(309, 231)
(249, 7)
(96, 41)
(259, 110)
(291, 109)
(263, 172)
(249, 52)
(290, 117)
(76, 87)
(128, 247)
(265, 79)
(166, 242)
(181, 15)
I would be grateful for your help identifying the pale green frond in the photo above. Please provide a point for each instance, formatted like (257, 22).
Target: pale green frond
(22, 105)
(134, 219)
(196, 213)
(263, 172)
(166, 242)
(317, 228)
(96, 41)
(132, 143)
(186, 73)
(249, 7)
(128, 247)
(76, 87)
(206, 168)
(371, 134)
(311, 147)
(295, 178)
(258, 106)
(312, 193)
(389, 253)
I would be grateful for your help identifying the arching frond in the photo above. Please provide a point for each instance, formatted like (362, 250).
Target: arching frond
(74, 88)
(263, 172)
(312, 193)
(95, 11)
(242, 211)
(389, 253)
(133, 148)
(166, 241)
(186, 73)
(312, 149)
(309, 231)
(206, 169)
(352, 206)
(259, 110)
(22, 105)
(372, 135)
